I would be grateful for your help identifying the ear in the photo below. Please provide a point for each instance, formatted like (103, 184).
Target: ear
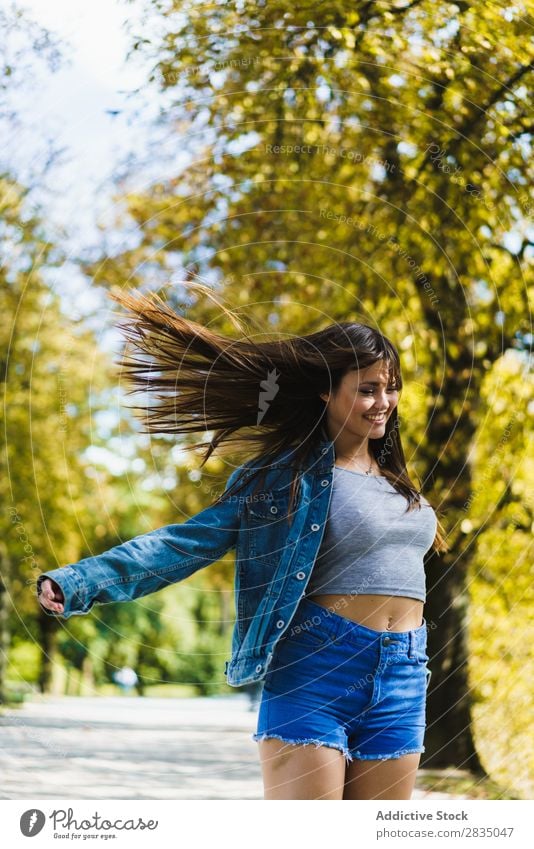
(324, 397)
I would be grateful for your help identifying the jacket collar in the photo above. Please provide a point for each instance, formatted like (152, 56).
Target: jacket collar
(322, 457)
(325, 456)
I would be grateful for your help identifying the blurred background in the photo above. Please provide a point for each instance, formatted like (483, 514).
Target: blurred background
(366, 161)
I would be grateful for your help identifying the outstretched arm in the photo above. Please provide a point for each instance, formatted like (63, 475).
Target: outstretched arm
(146, 563)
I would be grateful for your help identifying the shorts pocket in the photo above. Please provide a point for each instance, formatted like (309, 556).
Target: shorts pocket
(308, 634)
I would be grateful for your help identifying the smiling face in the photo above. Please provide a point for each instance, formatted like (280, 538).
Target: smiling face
(362, 393)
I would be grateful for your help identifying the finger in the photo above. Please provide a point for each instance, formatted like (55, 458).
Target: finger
(49, 592)
(46, 588)
(49, 598)
(53, 605)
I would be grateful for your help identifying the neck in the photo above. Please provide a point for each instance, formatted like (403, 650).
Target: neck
(351, 447)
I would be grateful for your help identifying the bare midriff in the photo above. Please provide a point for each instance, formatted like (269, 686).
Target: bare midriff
(378, 612)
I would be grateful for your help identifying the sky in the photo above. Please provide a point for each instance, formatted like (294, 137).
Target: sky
(90, 110)
(74, 104)
(71, 105)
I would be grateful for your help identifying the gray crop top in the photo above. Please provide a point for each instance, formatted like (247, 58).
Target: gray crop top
(370, 544)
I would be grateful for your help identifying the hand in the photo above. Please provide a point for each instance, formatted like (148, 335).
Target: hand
(51, 596)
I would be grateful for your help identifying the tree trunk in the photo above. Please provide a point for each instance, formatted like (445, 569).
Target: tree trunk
(449, 735)
(4, 625)
(88, 677)
(47, 638)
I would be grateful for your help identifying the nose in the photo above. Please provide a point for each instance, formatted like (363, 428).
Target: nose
(382, 406)
(383, 401)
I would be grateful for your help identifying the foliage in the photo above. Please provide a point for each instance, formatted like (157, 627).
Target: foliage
(501, 590)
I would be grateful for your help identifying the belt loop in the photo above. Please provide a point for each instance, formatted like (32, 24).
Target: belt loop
(411, 652)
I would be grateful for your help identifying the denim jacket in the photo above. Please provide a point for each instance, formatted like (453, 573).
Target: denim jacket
(273, 557)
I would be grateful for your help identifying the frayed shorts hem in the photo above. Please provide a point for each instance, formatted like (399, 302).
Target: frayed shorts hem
(349, 756)
(389, 757)
(309, 742)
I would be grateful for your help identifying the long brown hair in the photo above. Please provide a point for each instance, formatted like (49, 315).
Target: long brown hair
(253, 395)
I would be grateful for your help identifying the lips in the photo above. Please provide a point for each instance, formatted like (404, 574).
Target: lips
(375, 419)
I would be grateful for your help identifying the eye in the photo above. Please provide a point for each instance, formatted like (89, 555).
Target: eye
(370, 391)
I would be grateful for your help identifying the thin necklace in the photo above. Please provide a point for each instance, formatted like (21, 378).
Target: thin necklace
(368, 472)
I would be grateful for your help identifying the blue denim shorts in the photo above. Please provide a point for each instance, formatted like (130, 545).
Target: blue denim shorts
(334, 682)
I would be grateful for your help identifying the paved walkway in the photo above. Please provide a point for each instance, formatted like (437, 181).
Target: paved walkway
(132, 748)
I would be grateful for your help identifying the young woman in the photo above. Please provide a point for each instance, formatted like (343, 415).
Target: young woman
(330, 535)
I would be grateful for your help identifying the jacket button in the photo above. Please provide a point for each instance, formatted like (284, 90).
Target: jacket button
(274, 509)
(315, 527)
(301, 575)
(325, 483)
(259, 667)
(280, 623)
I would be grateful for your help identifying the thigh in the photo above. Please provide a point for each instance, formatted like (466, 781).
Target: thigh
(301, 771)
(382, 779)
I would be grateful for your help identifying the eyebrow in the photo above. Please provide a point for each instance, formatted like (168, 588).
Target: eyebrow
(375, 382)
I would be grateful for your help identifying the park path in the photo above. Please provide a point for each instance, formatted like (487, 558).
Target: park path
(133, 748)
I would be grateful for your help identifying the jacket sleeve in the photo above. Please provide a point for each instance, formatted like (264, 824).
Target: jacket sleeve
(148, 562)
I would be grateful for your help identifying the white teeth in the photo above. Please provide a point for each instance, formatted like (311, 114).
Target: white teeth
(375, 418)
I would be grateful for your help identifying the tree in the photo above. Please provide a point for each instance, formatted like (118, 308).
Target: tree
(47, 365)
(58, 503)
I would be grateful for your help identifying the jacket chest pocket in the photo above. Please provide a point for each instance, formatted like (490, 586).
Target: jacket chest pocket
(267, 527)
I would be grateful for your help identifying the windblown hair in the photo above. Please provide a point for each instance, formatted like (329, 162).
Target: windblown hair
(263, 395)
